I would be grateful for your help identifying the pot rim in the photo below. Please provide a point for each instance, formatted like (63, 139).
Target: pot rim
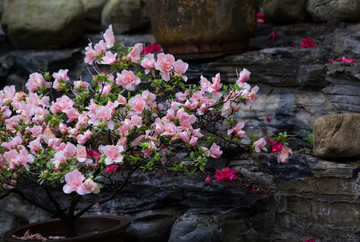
(121, 227)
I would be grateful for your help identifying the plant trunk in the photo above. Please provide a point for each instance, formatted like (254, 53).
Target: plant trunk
(69, 227)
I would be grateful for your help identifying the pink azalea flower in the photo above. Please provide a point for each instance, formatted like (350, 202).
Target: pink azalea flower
(136, 121)
(109, 37)
(243, 77)
(238, 130)
(36, 130)
(170, 129)
(151, 49)
(127, 80)
(61, 75)
(12, 144)
(180, 68)
(100, 48)
(148, 97)
(83, 138)
(225, 174)
(149, 63)
(134, 55)
(81, 153)
(122, 100)
(215, 151)
(73, 181)
(70, 150)
(5, 112)
(72, 114)
(344, 59)
(80, 86)
(193, 141)
(7, 95)
(62, 104)
(165, 63)
(308, 43)
(89, 186)
(112, 153)
(284, 154)
(35, 81)
(251, 96)
(90, 54)
(331, 60)
(185, 119)
(260, 145)
(109, 58)
(102, 114)
(137, 104)
(260, 18)
(181, 96)
(35, 145)
(82, 121)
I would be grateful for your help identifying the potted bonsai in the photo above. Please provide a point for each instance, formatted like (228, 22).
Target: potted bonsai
(79, 138)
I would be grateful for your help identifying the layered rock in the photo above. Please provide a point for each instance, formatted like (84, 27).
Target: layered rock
(285, 11)
(334, 10)
(125, 15)
(337, 136)
(43, 23)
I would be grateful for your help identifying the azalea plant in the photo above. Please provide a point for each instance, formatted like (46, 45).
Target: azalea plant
(138, 109)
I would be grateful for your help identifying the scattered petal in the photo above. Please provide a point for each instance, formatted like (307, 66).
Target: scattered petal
(344, 59)
(308, 43)
(273, 35)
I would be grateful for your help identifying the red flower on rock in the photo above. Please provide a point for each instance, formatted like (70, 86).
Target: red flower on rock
(308, 43)
(344, 59)
(268, 119)
(273, 35)
(226, 174)
(310, 240)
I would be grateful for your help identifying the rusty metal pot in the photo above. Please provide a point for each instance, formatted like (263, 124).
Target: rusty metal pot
(207, 27)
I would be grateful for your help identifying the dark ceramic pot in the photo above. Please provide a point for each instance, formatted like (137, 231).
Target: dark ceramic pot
(208, 27)
(109, 229)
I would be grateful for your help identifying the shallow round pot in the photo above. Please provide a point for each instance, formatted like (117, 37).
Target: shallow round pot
(210, 26)
(109, 228)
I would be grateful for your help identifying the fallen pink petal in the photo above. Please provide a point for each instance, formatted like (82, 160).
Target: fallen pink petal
(268, 119)
(344, 59)
(308, 43)
(331, 60)
(273, 35)
(225, 174)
